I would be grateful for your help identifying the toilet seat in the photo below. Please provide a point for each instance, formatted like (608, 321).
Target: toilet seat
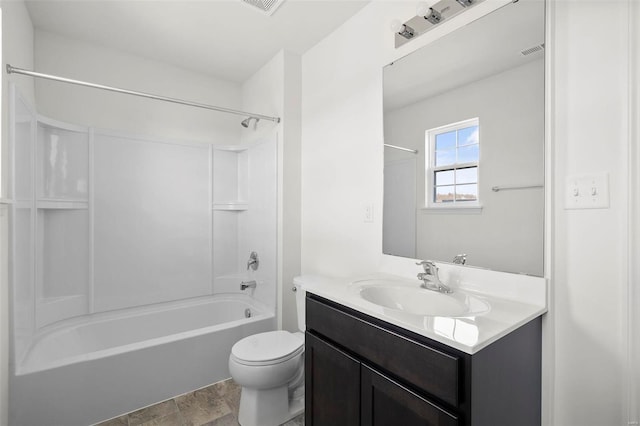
(272, 347)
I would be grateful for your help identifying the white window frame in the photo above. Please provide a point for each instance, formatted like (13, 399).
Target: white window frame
(430, 168)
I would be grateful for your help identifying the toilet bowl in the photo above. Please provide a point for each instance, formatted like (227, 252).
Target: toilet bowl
(270, 369)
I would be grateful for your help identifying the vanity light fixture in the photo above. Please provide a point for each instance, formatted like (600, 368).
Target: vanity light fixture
(265, 6)
(428, 16)
(403, 29)
(429, 13)
(465, 3)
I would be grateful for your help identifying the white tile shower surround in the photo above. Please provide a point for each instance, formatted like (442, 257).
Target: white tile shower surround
(215, 405)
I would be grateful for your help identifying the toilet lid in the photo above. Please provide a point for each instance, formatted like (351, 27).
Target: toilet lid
(268, 347)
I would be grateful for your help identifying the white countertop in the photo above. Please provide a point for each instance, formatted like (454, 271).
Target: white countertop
(525, 301)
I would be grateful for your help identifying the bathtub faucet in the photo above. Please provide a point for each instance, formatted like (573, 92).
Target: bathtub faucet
(253, 261)
(247, 284)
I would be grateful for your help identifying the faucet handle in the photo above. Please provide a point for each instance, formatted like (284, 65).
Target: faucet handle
(428, 265)
(253, 261)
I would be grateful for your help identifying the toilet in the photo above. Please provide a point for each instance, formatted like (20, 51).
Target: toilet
(270, 368)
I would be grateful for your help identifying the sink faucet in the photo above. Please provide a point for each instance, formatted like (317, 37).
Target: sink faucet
(430, 278)
(247, 284)
(460, 259)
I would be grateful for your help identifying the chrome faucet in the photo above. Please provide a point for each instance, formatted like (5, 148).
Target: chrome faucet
(253, 261)
(247, 284)
(460, 259)
(430, 278)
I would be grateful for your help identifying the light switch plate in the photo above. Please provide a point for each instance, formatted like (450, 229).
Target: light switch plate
(587, 191)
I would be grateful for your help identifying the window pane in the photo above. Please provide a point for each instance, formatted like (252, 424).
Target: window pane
(468, 135)
(444, 177)
(444, 194)
(467, 175)
(468, 154)
(466, 192)
(445, 158)
(446, 140)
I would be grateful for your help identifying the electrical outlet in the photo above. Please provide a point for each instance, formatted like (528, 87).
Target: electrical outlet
(368, 213)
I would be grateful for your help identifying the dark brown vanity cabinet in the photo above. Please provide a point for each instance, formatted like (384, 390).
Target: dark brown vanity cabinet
(363, 371)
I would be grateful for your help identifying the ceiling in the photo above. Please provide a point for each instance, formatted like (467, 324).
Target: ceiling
(226, 39)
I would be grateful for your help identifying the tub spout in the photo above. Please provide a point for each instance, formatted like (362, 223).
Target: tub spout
(247, 284)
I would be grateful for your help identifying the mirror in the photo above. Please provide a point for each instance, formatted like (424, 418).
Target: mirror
(464, 145)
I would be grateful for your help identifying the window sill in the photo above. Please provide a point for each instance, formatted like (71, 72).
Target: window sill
(474, 209)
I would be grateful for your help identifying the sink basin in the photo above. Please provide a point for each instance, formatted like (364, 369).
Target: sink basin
(415, 300)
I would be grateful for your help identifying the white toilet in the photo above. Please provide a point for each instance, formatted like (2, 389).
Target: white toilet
(270, 368)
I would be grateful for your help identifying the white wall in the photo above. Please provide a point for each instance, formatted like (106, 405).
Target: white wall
(275, 90)
(17, 48)
(589, 271)
(510, 107)
(66, 57)
(585, 333)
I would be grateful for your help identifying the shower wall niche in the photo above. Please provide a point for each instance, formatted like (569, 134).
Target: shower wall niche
(104, 220)
(62, 221)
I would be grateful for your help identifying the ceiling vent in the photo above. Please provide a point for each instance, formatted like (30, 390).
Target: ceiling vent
(265, 6)
(532, 50)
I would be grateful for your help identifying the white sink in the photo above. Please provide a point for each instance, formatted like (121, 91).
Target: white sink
(413, 299)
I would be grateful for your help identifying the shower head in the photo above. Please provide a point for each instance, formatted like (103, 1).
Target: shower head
(246, 121)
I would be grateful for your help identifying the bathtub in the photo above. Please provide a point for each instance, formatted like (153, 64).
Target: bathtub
(91, 368)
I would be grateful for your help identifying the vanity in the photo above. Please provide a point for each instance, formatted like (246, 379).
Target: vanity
(366, 365)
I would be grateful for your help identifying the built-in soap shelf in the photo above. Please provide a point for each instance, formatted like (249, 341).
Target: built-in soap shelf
(62, 204)
(230, 177)
(237, 206)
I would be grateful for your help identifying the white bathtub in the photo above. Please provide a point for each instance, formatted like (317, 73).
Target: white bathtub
(88, 369)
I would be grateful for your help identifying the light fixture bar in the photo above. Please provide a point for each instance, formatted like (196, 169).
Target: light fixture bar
(13, 70)
(428, 17)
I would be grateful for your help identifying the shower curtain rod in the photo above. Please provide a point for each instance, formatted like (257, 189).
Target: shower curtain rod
(14, 70)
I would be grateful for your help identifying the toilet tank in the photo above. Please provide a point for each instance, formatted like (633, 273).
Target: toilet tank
(302, 284)
(299, 285)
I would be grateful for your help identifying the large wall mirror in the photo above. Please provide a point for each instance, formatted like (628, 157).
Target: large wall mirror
(464, 145)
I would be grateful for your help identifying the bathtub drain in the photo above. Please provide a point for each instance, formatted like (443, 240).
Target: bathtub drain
(247, 313)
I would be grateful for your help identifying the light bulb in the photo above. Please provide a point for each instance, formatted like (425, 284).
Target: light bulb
(422, 9)
(396, 26)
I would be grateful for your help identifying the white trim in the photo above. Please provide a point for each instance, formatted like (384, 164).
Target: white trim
(632, 372)
(454, 126)
(548, 320)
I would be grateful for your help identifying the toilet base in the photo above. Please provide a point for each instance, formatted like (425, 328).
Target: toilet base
(268, 407)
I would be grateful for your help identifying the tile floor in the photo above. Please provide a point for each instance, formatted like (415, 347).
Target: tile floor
(215, 405)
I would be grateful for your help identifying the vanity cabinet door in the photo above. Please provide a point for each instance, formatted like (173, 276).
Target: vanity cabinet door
(388, 403)
(332, 385)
